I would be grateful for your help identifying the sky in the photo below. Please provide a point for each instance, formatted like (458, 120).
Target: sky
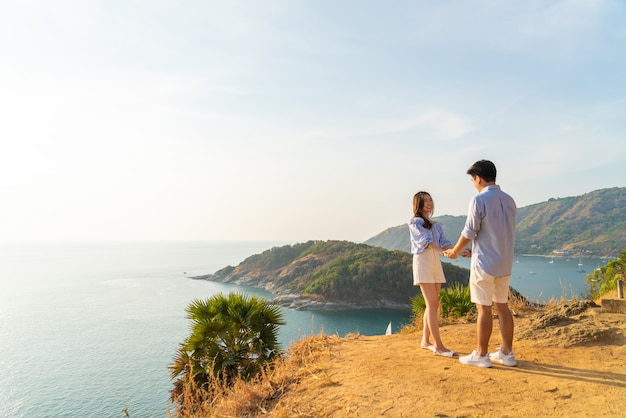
(297, 120)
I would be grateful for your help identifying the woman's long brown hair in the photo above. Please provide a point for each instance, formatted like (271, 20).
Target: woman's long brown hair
(418, 207)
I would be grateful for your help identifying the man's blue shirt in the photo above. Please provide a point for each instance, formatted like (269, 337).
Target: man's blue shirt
(490, 224)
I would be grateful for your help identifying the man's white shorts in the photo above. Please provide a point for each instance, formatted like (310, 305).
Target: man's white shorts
(486, 288)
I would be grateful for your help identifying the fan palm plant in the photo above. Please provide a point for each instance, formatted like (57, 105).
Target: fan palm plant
(455, 301)
(231, 336)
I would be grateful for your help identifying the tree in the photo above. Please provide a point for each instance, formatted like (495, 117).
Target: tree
(604, 279)
(231, 336)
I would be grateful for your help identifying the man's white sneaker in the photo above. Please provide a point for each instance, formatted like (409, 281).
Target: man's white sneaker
(506, 359)
(475, 360)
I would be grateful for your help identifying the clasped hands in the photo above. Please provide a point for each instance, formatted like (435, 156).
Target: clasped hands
(450, 253)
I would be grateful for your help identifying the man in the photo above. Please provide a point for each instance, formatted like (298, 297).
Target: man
(490, 227)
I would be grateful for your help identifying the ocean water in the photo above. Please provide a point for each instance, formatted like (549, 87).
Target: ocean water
(543, 278)
(88, 329)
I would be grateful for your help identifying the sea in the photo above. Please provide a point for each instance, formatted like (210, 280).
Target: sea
(88, 329)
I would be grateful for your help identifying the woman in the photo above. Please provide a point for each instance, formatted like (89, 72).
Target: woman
(427, 243)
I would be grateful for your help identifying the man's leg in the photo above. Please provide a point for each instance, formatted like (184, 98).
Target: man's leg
(506, 327)
(484, 326)
(480, 357)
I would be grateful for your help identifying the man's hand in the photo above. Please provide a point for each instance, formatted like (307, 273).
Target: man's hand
(451, 254)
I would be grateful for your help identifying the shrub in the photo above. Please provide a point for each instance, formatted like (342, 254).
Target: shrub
(418, 305)
(604, 280)
(232, 337)
(455, 301)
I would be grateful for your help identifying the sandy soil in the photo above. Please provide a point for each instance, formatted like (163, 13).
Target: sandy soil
(572, 362)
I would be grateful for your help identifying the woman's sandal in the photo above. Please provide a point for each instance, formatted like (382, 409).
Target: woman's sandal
(448, 354)
(429, 347)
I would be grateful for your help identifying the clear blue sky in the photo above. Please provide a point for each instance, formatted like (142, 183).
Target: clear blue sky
(294, 120)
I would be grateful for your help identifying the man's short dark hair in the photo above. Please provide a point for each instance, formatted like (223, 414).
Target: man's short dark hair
(484, 169)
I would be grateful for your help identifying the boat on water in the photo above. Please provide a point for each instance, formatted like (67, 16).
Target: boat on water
(551, 261)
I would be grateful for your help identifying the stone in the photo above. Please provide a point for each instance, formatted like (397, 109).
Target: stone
(613, 305)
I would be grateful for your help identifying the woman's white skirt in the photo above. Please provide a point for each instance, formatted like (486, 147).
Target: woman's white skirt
(427, 268)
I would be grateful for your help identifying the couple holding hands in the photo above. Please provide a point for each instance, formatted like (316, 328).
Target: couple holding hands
(490, 228)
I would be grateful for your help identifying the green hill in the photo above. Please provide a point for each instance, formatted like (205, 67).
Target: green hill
(593, 223)
(348, 274)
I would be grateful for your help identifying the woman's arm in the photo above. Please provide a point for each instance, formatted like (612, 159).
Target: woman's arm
(437, 248)
(420, 236)
(444, 243)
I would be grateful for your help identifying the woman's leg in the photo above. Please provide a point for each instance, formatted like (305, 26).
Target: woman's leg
(431, 315)
(426, 329)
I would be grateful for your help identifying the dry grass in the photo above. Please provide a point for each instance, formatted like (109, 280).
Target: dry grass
(609, 294)
(256, 397)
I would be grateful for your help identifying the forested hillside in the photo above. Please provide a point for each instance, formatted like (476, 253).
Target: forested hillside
(594, 223)
(339, 271)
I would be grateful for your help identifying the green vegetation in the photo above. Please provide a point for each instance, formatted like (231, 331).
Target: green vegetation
(594, 223)
(358, 273)
(454, 301)
(232, 337)
(272, 259)
(604, 279)
(418, 305)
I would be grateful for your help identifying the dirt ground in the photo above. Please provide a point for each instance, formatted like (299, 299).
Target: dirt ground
(572, 362)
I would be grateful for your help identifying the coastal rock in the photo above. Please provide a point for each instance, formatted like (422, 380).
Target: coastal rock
(284, 297)
(304, 303)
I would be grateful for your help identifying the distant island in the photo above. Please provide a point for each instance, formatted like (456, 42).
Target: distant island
(332, 275)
